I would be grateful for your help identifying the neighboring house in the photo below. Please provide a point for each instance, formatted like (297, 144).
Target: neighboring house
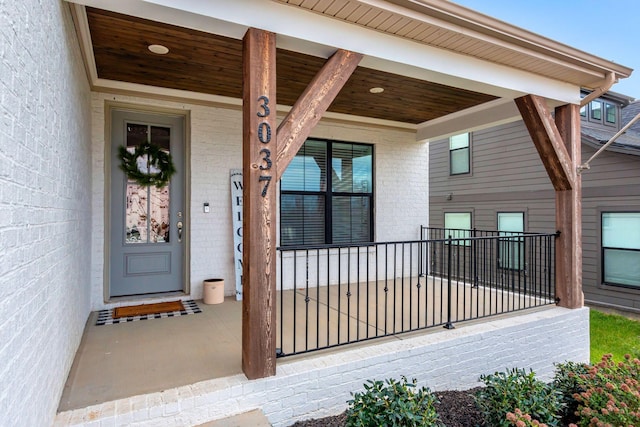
(376, 79)
(490, 179)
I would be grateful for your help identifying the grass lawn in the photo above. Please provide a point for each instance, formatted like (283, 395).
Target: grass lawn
(613, 334)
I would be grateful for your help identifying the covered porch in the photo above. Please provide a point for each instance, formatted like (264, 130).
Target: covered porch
(342, 305)
(272, 86)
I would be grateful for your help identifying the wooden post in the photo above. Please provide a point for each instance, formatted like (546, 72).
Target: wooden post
(569, 215)
(558, 144)
(259, 148)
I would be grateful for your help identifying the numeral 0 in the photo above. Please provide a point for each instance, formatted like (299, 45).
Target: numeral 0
(265, 139)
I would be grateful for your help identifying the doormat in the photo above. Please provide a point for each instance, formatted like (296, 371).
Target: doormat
(141, 310)
(108, 317)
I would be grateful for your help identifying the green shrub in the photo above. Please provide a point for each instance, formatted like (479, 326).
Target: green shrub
(394, 404)
(505, 392)
(611, 395)
(566, 381)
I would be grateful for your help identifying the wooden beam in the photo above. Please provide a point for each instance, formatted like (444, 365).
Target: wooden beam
(259, 204)
(569, 215)
(548, 142)
(312, 104)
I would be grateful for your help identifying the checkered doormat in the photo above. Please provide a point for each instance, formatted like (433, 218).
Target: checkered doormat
(105, 317)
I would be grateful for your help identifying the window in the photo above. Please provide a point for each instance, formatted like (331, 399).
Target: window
(596, 110)
(610, 113)
(459, 154)
(511, 249)
(458, 225)
(326, 194)
(621, 248)
(601, 112)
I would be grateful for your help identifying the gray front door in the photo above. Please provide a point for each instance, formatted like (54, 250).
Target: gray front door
(148, 224)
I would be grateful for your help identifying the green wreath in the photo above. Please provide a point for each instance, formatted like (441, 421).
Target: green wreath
(156, 159)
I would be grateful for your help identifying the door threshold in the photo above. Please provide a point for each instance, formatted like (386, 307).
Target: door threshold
(158, 297)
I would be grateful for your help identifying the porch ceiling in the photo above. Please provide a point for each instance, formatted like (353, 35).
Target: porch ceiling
(206, 63)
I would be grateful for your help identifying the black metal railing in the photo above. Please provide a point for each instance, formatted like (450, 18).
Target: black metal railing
(332, 295)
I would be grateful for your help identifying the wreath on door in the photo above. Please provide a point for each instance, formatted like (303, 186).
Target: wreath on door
(147, 165)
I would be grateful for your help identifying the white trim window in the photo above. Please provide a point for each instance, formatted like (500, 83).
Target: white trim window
(621, 248)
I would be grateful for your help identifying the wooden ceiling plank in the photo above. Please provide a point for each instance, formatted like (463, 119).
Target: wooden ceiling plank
(312, 104)
(211, 64)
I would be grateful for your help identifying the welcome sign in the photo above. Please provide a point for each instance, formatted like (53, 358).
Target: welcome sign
(236, 212)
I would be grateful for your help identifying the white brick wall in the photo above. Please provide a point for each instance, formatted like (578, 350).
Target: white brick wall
(320, 385)
(45, 184)
(401, 187)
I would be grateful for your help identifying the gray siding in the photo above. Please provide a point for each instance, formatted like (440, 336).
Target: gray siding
(507, 175)
(612, 183)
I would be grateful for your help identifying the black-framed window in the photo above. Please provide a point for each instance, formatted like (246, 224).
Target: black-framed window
(326, 194)
(621, 248)
(460, 154)
(511, 247)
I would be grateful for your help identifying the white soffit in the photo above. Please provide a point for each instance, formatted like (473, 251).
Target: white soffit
(444, 24)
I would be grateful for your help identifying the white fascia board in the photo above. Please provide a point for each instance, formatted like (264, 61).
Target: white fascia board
(493, 113)
(315, 34)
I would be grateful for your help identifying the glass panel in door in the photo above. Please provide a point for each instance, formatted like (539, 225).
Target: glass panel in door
(146, 208)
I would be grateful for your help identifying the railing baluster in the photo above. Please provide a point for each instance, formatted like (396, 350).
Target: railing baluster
(449, 325)
(306, 301)
(295, 287)
(504, 272)
(318, 298)
(339, 292)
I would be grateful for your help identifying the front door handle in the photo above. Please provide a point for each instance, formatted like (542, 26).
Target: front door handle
(179, 225)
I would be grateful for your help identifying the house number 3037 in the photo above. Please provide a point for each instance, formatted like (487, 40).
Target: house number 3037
(264, 136)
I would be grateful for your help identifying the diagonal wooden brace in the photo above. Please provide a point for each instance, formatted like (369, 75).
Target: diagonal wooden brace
(548, 141)
(312, 104)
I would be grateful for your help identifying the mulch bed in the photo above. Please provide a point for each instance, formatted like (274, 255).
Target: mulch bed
(456, 409)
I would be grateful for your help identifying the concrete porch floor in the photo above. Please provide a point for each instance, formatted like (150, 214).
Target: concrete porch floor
(149, 360)
(129, 359)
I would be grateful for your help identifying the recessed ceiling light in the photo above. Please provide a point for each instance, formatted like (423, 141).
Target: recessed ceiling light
(376, 90)
(159, 49)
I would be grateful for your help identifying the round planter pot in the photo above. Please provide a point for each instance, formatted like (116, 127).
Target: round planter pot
(213, 291)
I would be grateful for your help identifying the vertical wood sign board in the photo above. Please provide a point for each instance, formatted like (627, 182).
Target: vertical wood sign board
(236, 213)
(259, 167)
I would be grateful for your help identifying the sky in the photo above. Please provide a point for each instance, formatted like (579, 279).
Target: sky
(609, 29)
